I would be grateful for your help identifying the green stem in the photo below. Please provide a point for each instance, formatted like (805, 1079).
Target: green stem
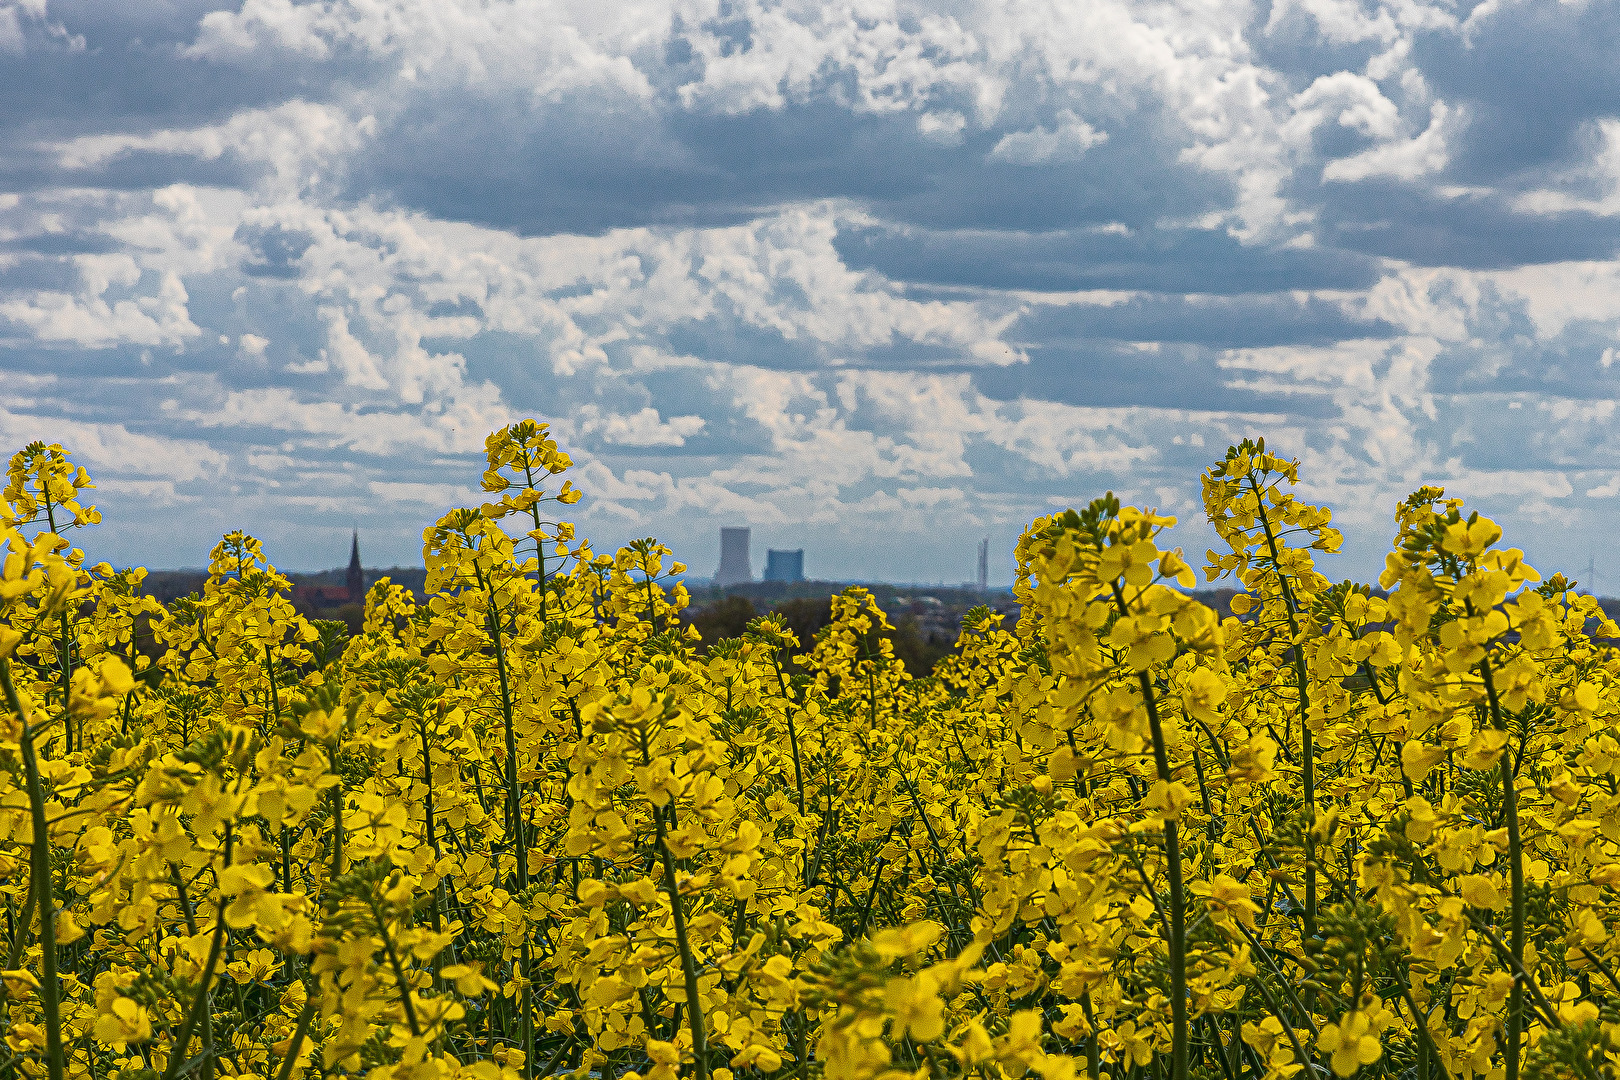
(513, 794)
(793, 734)
(199, 1005)
(1307, 749)
(67, 686)
(20, 932)
(337, 827)
(66, 657)
(539, 544)
(1093, 1044)
(1178, 906)
(1510, 809)
(393, 962)
(40, 866)
(432, 842)
(694, 1005)
(1282, 979)
(275, 694)
(305, 1015)
(514, 797)
(191, 928)
(1176, 924)
(1426, 1049)
(1276, 1010)
(877, 876)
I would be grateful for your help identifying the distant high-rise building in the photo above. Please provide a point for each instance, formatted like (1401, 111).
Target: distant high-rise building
(984, 564)
(355, 579)
(735, 565)
(784, 565)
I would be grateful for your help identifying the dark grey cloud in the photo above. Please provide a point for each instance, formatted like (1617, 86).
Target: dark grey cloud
(589, 166)
(52, 91)
(1506, 354)
(1291, 45)
(1157, 259)
(1111, 375)
(1246, 322)
(728, 340)
(1479, 231)
(274, 249)
(1530, 76)
(51, 273)
(74, 363)
(151, 23)
(135, 170)
(67, 242)
(1524, 86)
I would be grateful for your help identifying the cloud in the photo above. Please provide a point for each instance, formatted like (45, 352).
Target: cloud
(21, 20)
(875, 276)
(1607, 490)
(1071, 138)
(131, 461)
(1591, 185)
(11, 32)
(1402, 159)
(90, 319)
(280, 137)
(645, 428)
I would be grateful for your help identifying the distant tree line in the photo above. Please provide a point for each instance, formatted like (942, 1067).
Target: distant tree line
(728, 616)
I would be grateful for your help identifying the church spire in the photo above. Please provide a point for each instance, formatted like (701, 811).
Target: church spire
(355, 579)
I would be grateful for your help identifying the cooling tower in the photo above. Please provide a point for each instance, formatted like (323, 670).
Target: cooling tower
(735, 567)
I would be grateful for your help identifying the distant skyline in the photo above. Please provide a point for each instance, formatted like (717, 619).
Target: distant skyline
(874, 278)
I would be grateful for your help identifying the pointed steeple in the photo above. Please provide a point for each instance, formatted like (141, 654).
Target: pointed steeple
(356, 579)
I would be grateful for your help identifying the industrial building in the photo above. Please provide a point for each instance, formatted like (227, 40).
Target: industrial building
(784, 565)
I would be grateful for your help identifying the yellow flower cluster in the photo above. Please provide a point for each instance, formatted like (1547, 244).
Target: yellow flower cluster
(525, 829)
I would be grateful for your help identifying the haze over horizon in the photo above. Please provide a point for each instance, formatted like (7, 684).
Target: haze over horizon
(875, 278)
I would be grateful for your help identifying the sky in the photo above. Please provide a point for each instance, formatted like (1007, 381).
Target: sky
(875, 278)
